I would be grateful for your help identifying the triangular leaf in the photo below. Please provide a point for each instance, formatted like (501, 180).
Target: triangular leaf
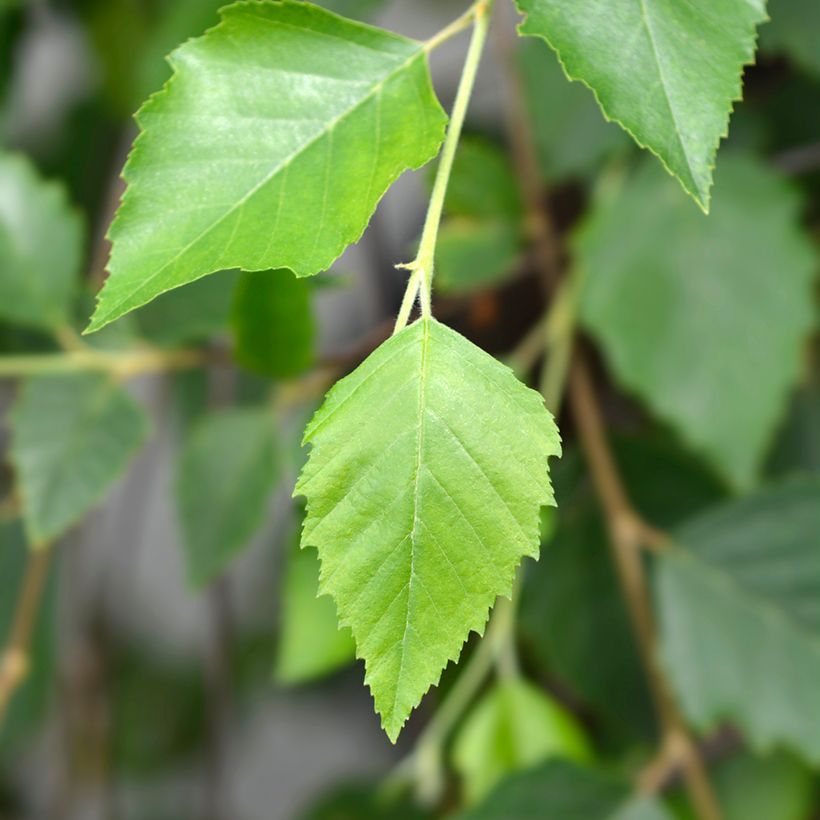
(706, 329)
(41, 243)
(514, 726)
(282, 112)
(668, 72)
(72, 437)
(424, 487)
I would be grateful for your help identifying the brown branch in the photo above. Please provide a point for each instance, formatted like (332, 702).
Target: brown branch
(14, 661)
(628, 532)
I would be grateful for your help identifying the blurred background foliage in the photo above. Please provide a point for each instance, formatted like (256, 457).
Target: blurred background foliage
(181, 664)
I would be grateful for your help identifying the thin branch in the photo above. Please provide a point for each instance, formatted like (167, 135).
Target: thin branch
(627, 535)
(451, 30)
(14, 661)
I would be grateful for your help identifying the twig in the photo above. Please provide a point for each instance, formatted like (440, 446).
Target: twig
(14, 662)
(801, 160)
(628, 534)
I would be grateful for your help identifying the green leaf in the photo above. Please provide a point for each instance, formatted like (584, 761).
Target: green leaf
(482, 182)
(311, 644)
(514, 726)
(191, 315)
(475, 253)
(282, 110)
(795, 29)
(570, 135)
(41, 245)
(227, 472)
(424, 487)
(364, 801)
(561, 790)
(668, 72)
(752, 567)
(706, 329)
(777, 787)
(72, 438)
(273, 323)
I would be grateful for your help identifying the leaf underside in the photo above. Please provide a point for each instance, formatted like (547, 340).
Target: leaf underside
(269, 148)
(707, 330)
(424, 484)
(665, 70)
(752, 567)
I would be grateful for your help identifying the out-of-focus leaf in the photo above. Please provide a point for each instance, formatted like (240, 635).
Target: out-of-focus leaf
(667, 72)
(474, 253)
(571, 136)
(363, 802)
(514, 726)
(156, 715)
(41, 244)
(72, 438)
(227, 472)
(797, 449)
(705, 328)
(428, 470)
(777, 787)
(572, 615)
(481, 241)
(739, 610)
(311, 644)
(29, 702)
(558, 789)
(482, 182)
(194, 314)
(273, 323)
(256, 105)
(794, 28)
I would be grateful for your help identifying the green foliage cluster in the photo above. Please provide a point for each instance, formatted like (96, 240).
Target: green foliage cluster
(426, 469)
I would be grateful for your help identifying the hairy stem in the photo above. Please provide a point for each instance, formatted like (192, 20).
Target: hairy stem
(14, 661)
(421, 268)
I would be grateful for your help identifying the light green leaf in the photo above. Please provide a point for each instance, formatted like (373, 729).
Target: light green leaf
(794, 29)
(281, 111)
(72, 437)
(706, 329)
(424, 487)
(311, 644)
(227, 472)
(514, 726)
(41, 244)
(570, 135)
(476, 253)
(667, 71)
(752, 567)
(560, 790)
(273, 323)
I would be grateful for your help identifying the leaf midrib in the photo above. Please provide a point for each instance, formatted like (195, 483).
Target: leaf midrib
(284, 165)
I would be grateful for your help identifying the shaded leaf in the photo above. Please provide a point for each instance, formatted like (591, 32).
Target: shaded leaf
(514, 726)
(72, 438)
(225, 168)
(706, 329)
(41, 245)
(227, 472)
(794, 28)
(667, 72)
(561, 790)
(424, 487)
(273, 323)
(752, 567)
